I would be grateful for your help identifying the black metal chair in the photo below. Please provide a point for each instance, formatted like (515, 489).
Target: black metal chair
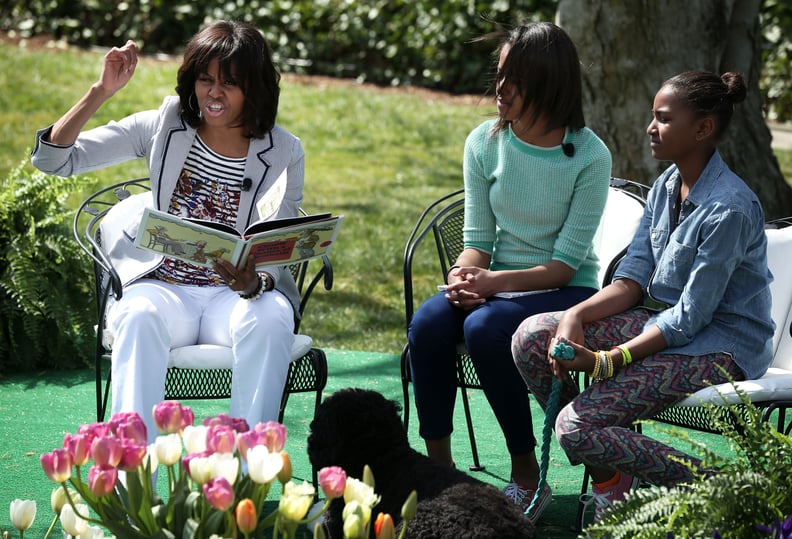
(443, 220)
(308, 369)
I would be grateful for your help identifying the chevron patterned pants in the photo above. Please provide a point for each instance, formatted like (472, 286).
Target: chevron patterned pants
(594, 427)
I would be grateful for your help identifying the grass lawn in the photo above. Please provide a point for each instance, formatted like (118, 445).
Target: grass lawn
(376, 155)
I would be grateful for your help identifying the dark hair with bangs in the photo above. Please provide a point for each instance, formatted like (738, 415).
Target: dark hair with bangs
(244, 56)
(544, 67)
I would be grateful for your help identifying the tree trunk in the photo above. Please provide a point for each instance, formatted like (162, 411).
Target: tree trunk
(629, 48)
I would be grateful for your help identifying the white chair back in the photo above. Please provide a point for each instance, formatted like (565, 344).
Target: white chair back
(619, 222)
(779, 256)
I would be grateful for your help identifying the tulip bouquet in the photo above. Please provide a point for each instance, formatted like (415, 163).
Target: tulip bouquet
(219, 475)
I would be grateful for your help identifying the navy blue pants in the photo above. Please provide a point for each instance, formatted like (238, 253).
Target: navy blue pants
(487, 331)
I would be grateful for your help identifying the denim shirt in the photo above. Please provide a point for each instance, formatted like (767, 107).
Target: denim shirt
(709, 267)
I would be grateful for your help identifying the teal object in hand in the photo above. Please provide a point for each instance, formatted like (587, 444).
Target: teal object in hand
(563, 351)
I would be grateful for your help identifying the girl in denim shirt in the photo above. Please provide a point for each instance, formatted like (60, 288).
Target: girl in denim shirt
(701, 253)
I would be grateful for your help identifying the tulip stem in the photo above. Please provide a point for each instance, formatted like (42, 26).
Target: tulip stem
(51, 527)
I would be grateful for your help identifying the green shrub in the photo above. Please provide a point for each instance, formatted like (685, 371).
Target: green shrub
(777, 58)
(47, 306)
(390, 42)
(749, 493)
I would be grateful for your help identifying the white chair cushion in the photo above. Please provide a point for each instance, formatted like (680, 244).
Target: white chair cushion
(776, 384)
(619, 222)
(212, 356)
(779, 251)
(783, 355)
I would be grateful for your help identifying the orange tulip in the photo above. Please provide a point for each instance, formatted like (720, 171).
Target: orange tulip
(383, 527)
(246, 516)
(285, 474)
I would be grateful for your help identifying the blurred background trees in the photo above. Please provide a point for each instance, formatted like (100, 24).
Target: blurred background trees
(628, 49)
(635, 46)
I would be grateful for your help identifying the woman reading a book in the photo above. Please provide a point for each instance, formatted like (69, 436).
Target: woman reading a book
(214, 152)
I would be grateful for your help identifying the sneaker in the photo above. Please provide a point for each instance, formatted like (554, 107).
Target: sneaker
(604, 496)
(524, 496)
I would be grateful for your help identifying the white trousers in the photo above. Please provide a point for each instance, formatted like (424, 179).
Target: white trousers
(153, 317)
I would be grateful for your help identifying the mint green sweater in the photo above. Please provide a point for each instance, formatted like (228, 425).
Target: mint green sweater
(527, 205)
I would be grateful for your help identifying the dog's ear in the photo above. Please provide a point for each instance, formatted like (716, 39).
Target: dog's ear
(354, 426)
(323, 439)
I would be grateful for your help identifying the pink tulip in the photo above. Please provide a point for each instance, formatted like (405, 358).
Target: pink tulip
(239, 424)
(219, 493)
(219, 419)
(188, 417)
(236, 423)
(168, 417)
(79, 449)
(273, 435)
(101, 480)
(94, 430)
(332, 481)
(106, 451)
(132, 454)
(247, 440)
(57, 465)
(220, 439)
(129, 425)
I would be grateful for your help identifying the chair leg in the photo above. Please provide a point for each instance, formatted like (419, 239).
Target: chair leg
(319, 360)
(476, 466)
(101, 396)
(405, 380)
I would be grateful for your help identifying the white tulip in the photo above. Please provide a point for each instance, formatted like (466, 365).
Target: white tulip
(22, 513)
(263, 466)
(58, 498)
(200, 470)
(150, 459)
(360, 493)
(168, 448)
(296, 500)
(224, 465)
(194, 438)
(93, 532)
(71, 522)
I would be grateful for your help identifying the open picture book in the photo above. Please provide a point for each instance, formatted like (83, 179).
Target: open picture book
(271, 242)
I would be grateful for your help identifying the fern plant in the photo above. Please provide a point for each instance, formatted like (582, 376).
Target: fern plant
(46, 296)
(749, 495)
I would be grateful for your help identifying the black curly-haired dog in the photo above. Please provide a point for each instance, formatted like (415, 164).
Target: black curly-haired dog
(355, 427)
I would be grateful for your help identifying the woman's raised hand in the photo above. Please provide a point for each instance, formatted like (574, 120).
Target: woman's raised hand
(119, 66)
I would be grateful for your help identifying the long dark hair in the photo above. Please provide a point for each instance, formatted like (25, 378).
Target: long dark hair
(708, 94)
(544, 67)
(241, 50)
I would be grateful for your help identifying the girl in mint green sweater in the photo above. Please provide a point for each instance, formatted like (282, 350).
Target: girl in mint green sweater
(536, 181)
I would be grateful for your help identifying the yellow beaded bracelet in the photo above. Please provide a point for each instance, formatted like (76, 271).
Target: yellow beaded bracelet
(595, 372)
(608, 364)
